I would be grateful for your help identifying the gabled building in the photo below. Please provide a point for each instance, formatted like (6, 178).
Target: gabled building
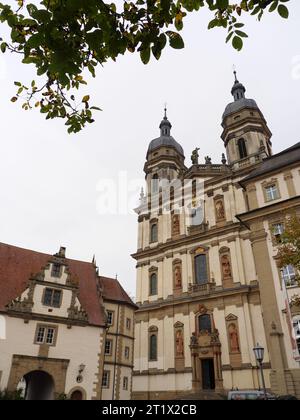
(55, 326)
(208, 287)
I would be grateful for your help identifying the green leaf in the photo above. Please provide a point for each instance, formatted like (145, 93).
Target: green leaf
(241, 34)
(3, 47)
(273, 6)
(237, 43)
(145, 55)
(86, 98)
(175, 40)
(229, 36)
(222, 4)
(283, 11)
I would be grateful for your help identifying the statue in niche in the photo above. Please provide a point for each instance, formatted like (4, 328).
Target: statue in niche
(226, 267)
(195, 156)
(194, 339)
(220, 211)
(179, 343)
(177, 276)
(233, 338)
(175, 224)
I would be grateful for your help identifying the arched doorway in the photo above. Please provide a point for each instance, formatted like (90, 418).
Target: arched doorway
(76, 395)
(39, 386)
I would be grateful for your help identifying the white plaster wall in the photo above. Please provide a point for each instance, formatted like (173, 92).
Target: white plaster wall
(62, 311)
(80, 345)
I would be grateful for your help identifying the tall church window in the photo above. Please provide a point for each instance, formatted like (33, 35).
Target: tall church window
(242, 148)
(201, 271)
(153, 284)
(204, 323)
(153, 347)
(154, 233)
(155, 184)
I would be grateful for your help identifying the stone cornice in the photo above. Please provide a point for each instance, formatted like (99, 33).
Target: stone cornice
(189, 240)
(192, 297)
(261, 212)
(284, 168)
(49, 318)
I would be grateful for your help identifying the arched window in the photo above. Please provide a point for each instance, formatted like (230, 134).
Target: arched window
(242, 148)
(154, 233)
(153, 284)
(204, 323)
(155, 184)
(153, 347)
(201, 272)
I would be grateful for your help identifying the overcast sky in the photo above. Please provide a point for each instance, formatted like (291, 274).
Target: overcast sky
(50, 180)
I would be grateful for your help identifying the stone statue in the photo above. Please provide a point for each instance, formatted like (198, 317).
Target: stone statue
(194, 339)
(179, 343)
(175, 225)
(233, 338)
(226, 267)
(177, 275)
(207, 160)
(195, 156)
(224, 161)
(220, 211)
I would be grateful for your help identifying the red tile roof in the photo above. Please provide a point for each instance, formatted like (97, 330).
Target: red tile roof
(17, 264)
(113, 291)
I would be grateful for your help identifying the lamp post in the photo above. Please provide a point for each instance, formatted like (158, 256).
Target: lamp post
(259, 355)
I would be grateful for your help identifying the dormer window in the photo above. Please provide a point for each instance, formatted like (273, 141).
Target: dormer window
(272, 192)
(52, 297)
(56, 270)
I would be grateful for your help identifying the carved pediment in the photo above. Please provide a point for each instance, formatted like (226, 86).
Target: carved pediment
(199, 250)
(178, 324)
(153, 328)
(231, 317)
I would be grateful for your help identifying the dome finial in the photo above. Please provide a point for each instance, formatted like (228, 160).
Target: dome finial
(235, 78)
(165, 111)
(165, 125)
(238, 90)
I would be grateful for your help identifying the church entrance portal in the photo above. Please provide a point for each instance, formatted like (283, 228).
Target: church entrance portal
(208, 374)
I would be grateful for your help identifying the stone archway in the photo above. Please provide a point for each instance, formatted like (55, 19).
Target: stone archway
(39, 386)
(22, 365)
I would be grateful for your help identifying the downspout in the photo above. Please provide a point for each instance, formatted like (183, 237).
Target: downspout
(115, 361)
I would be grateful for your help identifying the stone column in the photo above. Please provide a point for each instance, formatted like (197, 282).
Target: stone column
(271, 316)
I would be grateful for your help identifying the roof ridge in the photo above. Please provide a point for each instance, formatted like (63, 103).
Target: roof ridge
(42, 253)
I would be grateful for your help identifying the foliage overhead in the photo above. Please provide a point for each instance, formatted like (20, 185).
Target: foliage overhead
(289, 248)
(63, 38)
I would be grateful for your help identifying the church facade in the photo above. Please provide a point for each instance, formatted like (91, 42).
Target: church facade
(208, 285)
(58, 336)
